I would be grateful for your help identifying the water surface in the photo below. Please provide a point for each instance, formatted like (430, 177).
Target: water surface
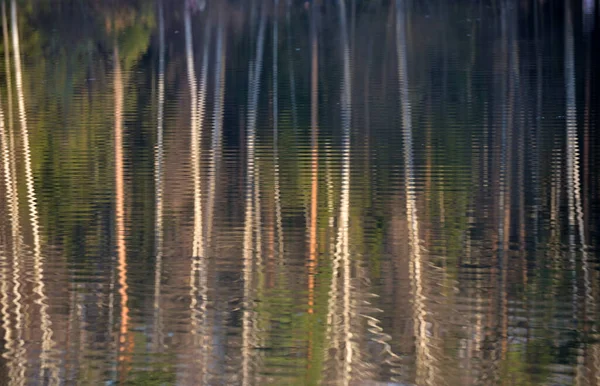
(298, 193)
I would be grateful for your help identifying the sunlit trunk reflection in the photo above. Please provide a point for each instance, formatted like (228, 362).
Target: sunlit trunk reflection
(577, 242)
(13, 333)
(424, 370)
(251, 240)
(38, 261)
(11, 273)
(333, 317)
(277, 192)
(158, 181)
(198, 278)
(342, 247)
(572, 152)
(125, 340)
(312, 223)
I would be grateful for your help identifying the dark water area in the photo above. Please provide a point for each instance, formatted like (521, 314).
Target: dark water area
(348, 192)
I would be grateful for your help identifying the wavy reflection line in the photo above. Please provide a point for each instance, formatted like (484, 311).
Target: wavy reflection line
(197, 247)
(572, 151)
(342, 248)
(7, 65)
(425, 374)
(197, 111)
(333, 294)
(249, 319)
(576, 223)
(555, 194)
(11, 347)
(158, 180)
(125, 341)
(38, 266)
(314, 190)
(11, 165)
(14, 343)
(277, 192)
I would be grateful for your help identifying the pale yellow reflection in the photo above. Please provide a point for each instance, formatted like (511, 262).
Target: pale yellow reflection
(342, 252)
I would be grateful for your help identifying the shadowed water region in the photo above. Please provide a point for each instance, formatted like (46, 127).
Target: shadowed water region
(274, 192)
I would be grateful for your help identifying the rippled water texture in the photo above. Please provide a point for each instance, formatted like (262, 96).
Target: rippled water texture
(273, 192)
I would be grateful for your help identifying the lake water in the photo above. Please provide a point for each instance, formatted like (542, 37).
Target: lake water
(349, 192)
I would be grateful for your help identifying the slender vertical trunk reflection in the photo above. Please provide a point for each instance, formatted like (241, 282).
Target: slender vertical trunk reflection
(342, 247)
(158, 180)
(423, 360)
(536, 136)
(217, 130)
(572, 150)
(195, 138)
(576, 223)
(7, 67)
(215, 161)
(125, 341)
(15, 345)
(333, 317)
(12, 331)
(314, 121)
(504, 177)
(248, 323)
(292, 74)
(312, 223)
(589, 13)
(38, 263)
(197, 109)
(277, 192)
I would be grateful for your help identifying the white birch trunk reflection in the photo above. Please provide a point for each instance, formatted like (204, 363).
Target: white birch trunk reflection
(577, 242)
(572, 152)
(333, 316)
(342, 247)
(13, 332)
(251, 213)
(38, 263)
(277, 193)
(15, 345)
(197, 110)
(424, 367)
(158, 181)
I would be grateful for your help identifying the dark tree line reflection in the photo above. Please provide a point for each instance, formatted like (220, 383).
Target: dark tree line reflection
(279, 192)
